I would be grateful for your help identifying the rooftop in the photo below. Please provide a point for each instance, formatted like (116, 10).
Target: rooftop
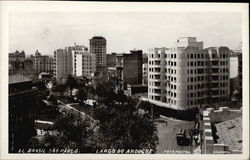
(230, 133)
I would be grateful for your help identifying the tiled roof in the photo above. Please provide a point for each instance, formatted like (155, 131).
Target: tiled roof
(230, 133)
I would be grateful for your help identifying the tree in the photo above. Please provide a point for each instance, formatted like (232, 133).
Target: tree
(54, 110)
(75, 131)
(59, 88)
(52, 99)
(82, 95)
(145, 106)
(122, 127)
(54, 82)
(71, 83)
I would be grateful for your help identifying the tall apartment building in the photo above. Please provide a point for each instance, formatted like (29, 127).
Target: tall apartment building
(129, 69)
(88, 64)
(43, 63)
(74, 60)
(62, 64)
(186, 76)
(76, 53)
(97, 47)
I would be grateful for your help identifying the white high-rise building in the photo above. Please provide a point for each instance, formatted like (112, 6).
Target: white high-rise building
(74, 60)
(77, 60)
(186, 76)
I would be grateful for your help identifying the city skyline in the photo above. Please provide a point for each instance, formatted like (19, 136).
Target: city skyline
(123, 31)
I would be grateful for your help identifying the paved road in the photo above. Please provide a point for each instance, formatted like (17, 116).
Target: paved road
(167, 137)
(68, 109)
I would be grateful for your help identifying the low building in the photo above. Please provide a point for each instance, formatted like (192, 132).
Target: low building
(17, 62)
(17, 56)
(222, 131)
(136, 88)
(22, 100)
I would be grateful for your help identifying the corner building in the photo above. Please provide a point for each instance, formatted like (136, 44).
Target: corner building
(186, 76)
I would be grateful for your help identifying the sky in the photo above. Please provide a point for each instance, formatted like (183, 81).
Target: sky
(124, 31)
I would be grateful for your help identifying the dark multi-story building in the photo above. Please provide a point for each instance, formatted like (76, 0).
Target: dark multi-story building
(98, 47)
(22, 100)
(111, 60)
(129, 69)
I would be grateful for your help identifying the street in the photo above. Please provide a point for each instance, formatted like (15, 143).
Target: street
(167, 136)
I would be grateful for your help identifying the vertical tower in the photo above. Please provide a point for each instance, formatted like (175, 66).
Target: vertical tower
(76, 53)
(98, 47)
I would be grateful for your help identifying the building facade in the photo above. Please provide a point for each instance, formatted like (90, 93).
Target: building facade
(88, 64)
(43, 63)
(129, 69)
(97, 46)
(111, 60)
(145, 73)
(22, 100)
(17, 56)
(186, 76)
(62, 64)
(76, 53)
(74, 60)
(16, 61)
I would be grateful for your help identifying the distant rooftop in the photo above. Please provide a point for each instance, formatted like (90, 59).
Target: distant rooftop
(18, 78)
(230, 133)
